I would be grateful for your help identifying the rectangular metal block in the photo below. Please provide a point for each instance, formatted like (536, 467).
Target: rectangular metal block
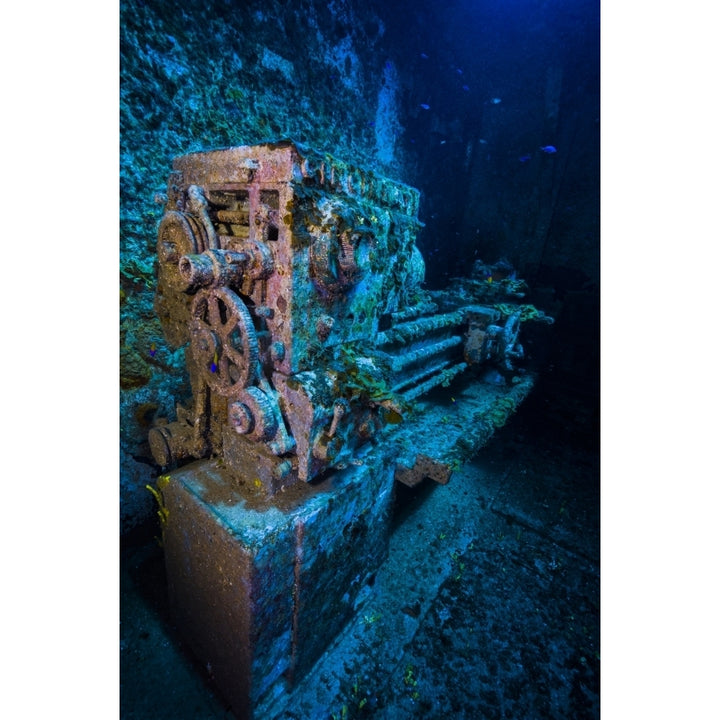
(230, 582)
(259, 590)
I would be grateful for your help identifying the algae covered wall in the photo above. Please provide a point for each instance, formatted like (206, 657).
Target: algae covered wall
(203, 75)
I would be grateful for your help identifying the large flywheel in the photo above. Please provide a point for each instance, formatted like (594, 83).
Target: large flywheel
(223, 340)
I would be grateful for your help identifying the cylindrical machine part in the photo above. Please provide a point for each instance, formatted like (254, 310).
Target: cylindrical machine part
(213, 268)
(424, 353)
(408, 313)
(170, 443)
(402, 384)
(196, 270)
(417, 329)
(444, 377)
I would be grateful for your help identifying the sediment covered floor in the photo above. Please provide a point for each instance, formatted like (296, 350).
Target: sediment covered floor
(488, 606)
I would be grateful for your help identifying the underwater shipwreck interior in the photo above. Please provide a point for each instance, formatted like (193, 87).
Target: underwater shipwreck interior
(359, 373)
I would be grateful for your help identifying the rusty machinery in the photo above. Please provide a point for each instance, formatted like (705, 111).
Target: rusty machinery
(295, 281)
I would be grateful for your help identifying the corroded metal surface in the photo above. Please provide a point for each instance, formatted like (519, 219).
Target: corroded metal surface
(314, 354)
(295, 283)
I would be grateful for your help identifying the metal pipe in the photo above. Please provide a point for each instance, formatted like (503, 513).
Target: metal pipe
(425, 352)
(444, 377)
(405, 333)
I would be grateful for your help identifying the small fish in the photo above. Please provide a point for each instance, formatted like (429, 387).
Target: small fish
(214, 363)
(465, 88)
(423, 56)
(496, 101)
(549, 149)
(482, 141)
(525, 158)
(424, 106)
(458, 71)
(442, 142)
(153, 349)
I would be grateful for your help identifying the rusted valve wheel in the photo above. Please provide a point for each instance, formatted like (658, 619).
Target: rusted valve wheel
(223, 340)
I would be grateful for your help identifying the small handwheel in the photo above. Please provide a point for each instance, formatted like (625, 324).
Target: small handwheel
(223, 340)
